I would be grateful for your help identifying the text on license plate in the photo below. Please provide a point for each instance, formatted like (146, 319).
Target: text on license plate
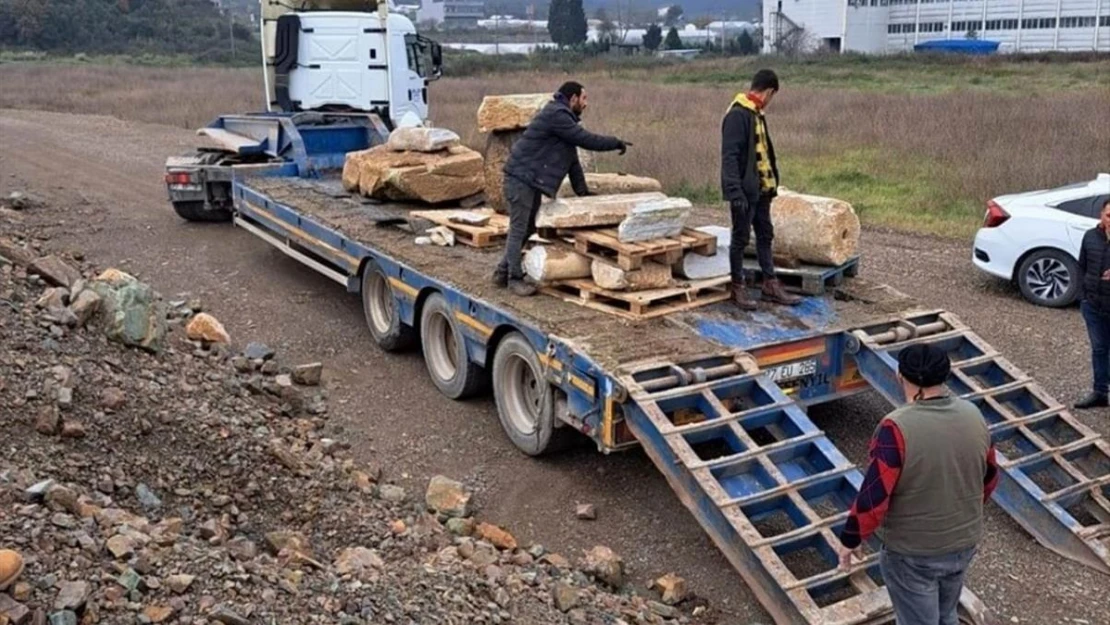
(793, 370)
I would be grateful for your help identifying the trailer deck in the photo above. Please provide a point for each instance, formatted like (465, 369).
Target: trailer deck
(717, 398)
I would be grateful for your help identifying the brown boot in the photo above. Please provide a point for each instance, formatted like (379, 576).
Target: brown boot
(740, 297)
(11, 565)
(774, 291)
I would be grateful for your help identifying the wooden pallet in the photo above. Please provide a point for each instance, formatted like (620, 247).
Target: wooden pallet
(474, 236)
(603, 243)
(810, 279)
(637, 305)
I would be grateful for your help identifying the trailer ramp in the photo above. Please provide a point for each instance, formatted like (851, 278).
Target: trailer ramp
(765, 483)
(1055, 471)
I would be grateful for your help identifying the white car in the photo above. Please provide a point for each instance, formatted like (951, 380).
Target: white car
(1032, 239)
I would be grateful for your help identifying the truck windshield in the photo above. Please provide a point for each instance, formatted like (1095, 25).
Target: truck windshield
(423, 56)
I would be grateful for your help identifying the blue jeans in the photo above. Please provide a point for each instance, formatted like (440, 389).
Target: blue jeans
(925, 590)
(1098, 328)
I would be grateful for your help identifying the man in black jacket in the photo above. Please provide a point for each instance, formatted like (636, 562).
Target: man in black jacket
(1094, 271)
(749, 181)
(537, 165)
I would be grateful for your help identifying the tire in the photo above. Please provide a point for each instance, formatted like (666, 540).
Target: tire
(383, 315)
(1049, 278)
(195, 211)
(445, 352)
(525, 401)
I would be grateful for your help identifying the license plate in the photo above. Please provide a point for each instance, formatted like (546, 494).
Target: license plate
(793, 370)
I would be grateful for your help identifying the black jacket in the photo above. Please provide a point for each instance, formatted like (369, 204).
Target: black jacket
(739, 177)
(1094, 259)
(547, 151)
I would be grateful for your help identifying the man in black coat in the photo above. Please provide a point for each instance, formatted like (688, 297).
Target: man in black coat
(749, 181)
(543, 156)
(1094, 271)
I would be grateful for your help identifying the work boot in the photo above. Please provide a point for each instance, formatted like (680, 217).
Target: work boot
(11, 565)
(521, 288)
(740, 297)
(1094, 400)
(774, 291)
(500, 278)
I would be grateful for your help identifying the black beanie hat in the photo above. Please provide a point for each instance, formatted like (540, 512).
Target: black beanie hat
(924, 365)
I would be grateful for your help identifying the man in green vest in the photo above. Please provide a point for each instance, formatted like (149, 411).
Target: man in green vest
(929, 516)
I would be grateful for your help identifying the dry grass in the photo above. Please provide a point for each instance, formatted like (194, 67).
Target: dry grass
(911, 160)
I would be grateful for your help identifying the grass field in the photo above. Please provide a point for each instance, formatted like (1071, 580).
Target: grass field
(917, 146)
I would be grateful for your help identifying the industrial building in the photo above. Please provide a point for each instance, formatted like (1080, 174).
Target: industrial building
(452, 13)
(889, 26)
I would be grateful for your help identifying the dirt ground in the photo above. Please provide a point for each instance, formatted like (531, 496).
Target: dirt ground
(102, 180)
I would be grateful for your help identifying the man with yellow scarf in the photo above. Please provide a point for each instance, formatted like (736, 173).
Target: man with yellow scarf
(749, 181)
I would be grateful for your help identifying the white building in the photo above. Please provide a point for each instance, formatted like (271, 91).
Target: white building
(450, 13)
(878, 26)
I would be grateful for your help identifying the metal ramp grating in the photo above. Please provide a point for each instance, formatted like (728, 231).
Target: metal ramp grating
(765, 483)
(1055, 471)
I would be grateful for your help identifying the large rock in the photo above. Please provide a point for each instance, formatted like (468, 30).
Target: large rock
(605, 565)
(698, 267)
(649, 276)
(434, 177)
(419, 139)
(547, 263)
(654, 220)
(16, 253)
(813, 229)
(130, 312)
(591, 211)
(614, 184)
(509, 112)
(498, 147)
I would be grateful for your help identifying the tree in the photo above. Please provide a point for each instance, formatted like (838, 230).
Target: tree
(674, 14)
(566, 22)
(653, 38)
(673, 41)
(606, 30)
(745, 43)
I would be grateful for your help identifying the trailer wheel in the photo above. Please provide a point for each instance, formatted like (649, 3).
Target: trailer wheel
(445, 351)
(195, 211)
(383, 316)
(525, 400)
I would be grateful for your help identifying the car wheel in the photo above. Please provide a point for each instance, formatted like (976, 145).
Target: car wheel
(1049, 278)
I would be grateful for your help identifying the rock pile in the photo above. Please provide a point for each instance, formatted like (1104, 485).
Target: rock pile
(183, 481)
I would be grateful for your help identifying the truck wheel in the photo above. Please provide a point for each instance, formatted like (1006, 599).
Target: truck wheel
(525, 401)
(445, 351)
(195, 211)
(383, 316)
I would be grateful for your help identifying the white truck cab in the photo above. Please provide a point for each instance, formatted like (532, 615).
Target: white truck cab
(349, 61)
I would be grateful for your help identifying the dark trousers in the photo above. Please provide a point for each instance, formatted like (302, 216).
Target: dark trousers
(1098, 329)
(743, 220)
(524, 203)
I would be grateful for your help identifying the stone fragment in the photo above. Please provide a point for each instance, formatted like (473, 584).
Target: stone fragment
(654, 220)
(308, 375)
(585, 512)
(85, 306)
(548, 263)
(509, 112)
(814, 229)
(205, 327)
(433, 178)
(498, 147)
(496, 536)
(420, 139)
(592, 211)
(672, 589)
(565, 596)
(448, 497)
(130, 311)
(605, 565)
(698, 267)
(614, 184)
(72, 596)
(650, 275)
(55, 271)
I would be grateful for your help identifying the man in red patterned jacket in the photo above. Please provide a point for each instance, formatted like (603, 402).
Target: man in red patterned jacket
(932, 468)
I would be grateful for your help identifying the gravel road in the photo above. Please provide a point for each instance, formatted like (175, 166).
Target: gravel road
(102, 181)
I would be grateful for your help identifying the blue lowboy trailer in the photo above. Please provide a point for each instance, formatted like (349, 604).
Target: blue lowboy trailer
(716, 398)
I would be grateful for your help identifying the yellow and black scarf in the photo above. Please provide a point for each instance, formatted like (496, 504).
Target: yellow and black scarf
(767, 181)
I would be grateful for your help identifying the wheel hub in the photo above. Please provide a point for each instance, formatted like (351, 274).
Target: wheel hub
(1048, 278)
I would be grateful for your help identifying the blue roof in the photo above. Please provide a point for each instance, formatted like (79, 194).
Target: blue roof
(962, 46)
